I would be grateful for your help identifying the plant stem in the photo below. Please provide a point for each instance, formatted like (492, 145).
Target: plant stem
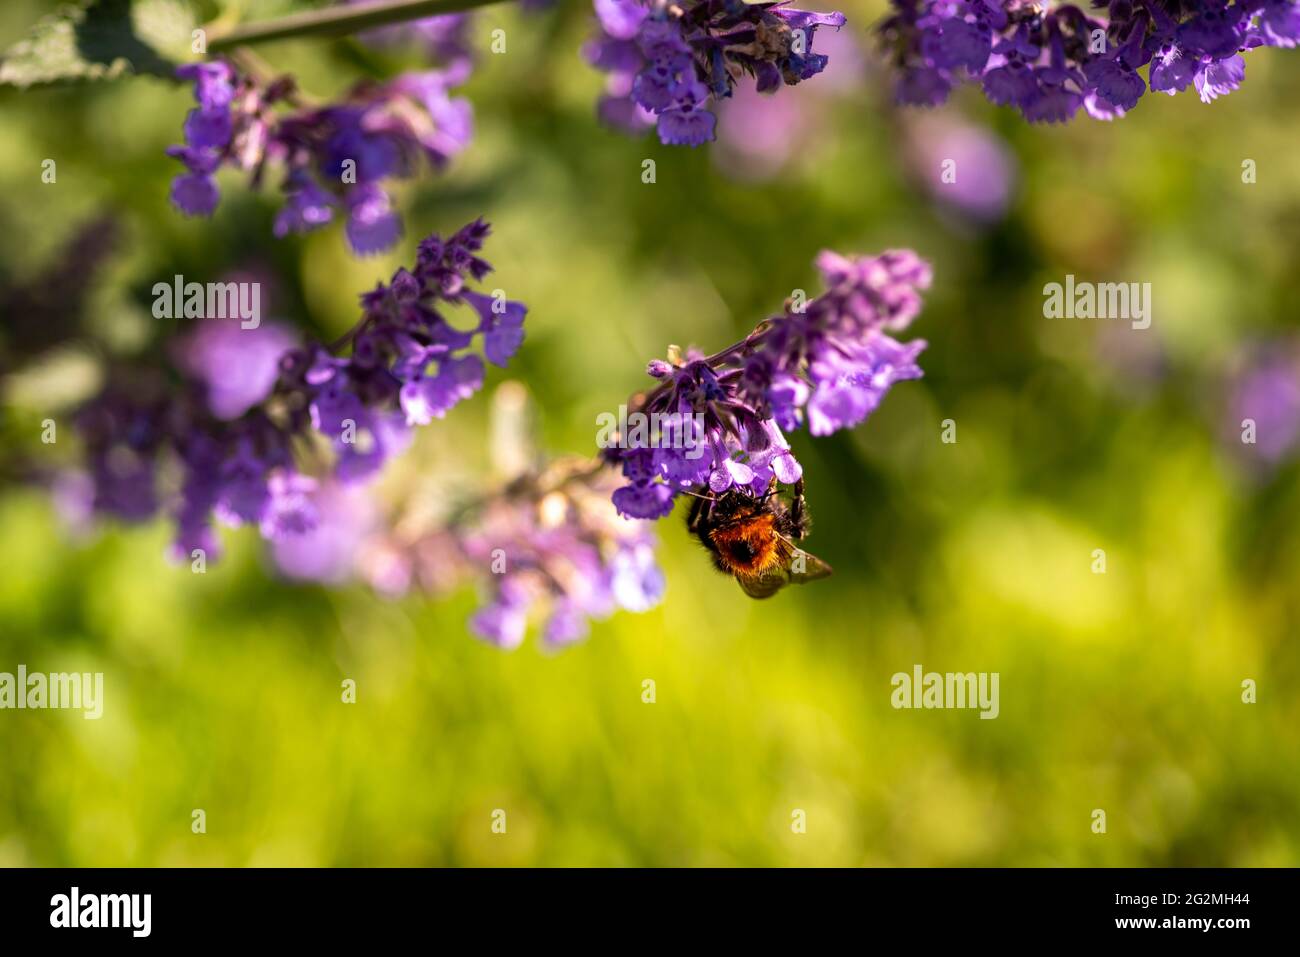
(338, 21)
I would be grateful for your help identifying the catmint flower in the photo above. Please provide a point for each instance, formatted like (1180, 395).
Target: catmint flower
(345, 517)
(547, 547)
(335, 158)
(237, 366)
(409, 365)
(562, 555)
(668, 62)
(250, 397)
(1050, 60)
(825, 364)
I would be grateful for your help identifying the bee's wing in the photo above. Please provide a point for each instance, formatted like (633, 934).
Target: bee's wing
(765, 585)
(795, 567)
(804, 566)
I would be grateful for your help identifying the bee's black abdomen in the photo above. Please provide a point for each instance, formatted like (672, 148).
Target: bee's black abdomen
(741, 552)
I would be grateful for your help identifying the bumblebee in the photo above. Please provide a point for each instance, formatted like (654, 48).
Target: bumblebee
(753, 538)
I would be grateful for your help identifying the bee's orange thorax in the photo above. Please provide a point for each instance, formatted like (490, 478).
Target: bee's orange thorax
(747, 546)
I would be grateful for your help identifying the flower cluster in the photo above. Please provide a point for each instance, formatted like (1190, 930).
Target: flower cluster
(547, 545)
(1048, 60)
(668, 61)
(335, 157)
(825, 363)
(558, 541)
(248, 398)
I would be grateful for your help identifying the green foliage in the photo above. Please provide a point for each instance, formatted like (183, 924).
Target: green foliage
(99, 40)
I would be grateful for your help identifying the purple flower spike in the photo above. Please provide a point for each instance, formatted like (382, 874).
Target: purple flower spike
(1049, 59)
(238, 366)
(372, 225)
(668, 63)
(195, 194)
(335, 158)
(250, 397)
(545, 548)
(827, 363)
(644, 500)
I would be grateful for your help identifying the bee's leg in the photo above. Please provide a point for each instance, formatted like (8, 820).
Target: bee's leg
(696, 513)
(799, 517)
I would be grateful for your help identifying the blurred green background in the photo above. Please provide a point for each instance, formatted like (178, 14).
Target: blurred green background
(1119, 691)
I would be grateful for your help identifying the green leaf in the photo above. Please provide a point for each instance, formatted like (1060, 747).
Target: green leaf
(100, 40)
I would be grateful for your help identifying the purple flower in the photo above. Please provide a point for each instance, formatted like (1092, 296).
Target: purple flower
(213, 83)
(238, 366)
(644, 499)
(195, 194)
(1114, 82)
(503, 622)
(1279, 23)
(1172, 70)
(433, 396)
(852, 379)
(372, 225)
(306, 206)
(335, 158)
(1214, 31)
(686, 125)
(250, 398)
(1219, 78)
(409, 365)
(547, 547)
(669, 63)
(564, 554)
(290, 508)
(502, 325)
(377, 437)
(327, 551)
(827, 363)
(1048, 59)
(636, 578)
(621, 19)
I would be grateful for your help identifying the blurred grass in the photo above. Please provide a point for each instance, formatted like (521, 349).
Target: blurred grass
(1118, 691)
